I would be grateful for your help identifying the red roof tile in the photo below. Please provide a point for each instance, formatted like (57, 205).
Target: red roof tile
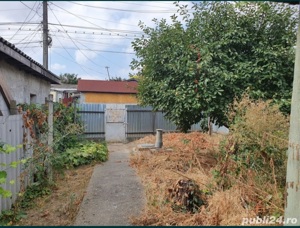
(99, 86)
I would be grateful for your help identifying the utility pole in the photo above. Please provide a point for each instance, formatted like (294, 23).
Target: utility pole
(45, 35)
(292, 198)
(107, 72)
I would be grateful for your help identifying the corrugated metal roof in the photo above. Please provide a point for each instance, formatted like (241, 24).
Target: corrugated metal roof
(99, 86)
(10, 53)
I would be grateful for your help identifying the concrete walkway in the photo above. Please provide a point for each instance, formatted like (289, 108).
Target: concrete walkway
(114, 193)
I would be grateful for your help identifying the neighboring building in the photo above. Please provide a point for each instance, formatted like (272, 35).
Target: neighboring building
(64, 93)
(107, 92)
(22, 80)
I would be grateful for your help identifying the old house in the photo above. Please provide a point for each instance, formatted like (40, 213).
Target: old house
(22, 80)
(107, 92)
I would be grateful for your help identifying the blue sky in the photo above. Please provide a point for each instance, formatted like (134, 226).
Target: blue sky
(87, 36)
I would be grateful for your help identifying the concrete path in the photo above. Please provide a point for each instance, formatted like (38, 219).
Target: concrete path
(114, 193)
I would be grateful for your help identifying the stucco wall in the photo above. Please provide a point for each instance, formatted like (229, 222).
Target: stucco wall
(3, 108)
(22, 84)
(106, 98)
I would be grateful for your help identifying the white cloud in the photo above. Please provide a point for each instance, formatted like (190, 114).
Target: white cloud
(57, 66)
(84, 56)
(94, 30)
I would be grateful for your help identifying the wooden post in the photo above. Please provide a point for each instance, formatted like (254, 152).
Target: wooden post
(50, 133)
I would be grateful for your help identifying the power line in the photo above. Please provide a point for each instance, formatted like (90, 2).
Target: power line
(17, 23)
(121, 36)
(30, 8)
(82, 66)
(162, 7)
(100, 28)
(99, 19)
(126, 10)
(86, 49)
(71, 40)
(25, 19)
(32, 35)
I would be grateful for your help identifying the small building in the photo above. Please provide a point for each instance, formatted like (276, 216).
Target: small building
(22, 80)
(64, 93)
(107, 92)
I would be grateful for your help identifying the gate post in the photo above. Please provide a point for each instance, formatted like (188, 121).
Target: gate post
(115, 126)
(158, 142)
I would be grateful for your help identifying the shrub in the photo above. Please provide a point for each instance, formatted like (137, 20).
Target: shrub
(83, 154)
(255, 151)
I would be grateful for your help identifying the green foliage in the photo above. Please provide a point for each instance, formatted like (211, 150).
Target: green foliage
(195, 66)
(117, 79)
(32, 192)
(67, 127)
(7, 149)
(83, 154)
(67, 78)
(67, 130)
(9, 217)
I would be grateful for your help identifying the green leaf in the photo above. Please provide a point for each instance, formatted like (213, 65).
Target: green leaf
(5, 193)
(3, 176)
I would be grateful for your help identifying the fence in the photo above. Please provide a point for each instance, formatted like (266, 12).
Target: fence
(11, 132)
(143, 121)
(92, 116)
(139, 121)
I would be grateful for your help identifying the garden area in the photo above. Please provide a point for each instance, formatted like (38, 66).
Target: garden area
(58, 175)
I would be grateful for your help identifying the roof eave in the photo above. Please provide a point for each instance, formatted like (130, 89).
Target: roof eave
(15, 56)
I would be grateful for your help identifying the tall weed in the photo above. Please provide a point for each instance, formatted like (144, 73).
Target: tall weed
(254, 155)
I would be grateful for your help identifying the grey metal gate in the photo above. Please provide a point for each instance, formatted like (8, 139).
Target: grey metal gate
(93, 118)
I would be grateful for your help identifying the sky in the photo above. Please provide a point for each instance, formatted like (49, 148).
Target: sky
(89, 38)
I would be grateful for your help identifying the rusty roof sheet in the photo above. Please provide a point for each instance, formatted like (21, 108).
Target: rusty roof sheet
(100, 86)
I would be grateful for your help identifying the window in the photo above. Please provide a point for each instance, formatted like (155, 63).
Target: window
(32, 98)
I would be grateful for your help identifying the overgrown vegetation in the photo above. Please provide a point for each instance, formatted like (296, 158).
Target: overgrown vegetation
(255, 153)
(83, 154)
(68, 150)
(240, 175)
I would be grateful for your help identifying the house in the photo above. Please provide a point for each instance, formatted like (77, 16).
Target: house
(64, 93)
(107, 92)
(22, 80)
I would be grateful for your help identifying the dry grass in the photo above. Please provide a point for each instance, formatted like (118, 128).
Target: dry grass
(61, 206)
(192, 157)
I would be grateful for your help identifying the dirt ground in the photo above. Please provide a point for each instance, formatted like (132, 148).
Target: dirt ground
(61, 206)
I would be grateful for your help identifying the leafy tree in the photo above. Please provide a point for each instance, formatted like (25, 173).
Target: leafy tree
(69, 78)
(195, 67)
(117, 79)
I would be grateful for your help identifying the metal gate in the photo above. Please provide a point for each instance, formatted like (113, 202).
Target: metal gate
(93, 118)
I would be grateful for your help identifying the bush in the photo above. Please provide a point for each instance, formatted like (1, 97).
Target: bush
(255, 151)
(83, 154)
